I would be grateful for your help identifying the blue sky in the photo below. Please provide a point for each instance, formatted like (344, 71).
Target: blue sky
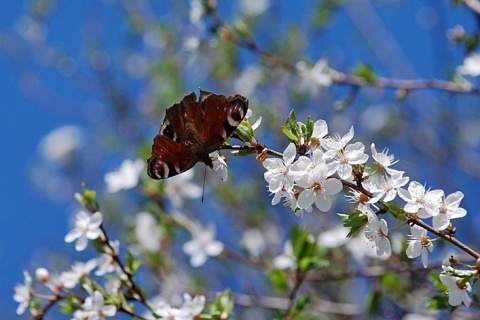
(31, 224)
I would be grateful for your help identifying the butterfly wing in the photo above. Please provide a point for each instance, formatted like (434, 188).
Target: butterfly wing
(222, 116)
(193, 129)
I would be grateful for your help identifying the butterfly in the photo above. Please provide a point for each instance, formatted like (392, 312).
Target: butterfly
(192, 129)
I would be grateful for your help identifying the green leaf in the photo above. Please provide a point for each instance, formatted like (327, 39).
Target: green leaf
(132, 263)
(300, 304)
(396, 211)
(354, 221)
(304, 247)
(309, 128)
(222, 305)
(279, 279)
(366, 72)
(290, 129)
(245, 131)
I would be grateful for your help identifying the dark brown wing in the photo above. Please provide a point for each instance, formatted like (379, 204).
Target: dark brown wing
(222, 116)
(193, 129)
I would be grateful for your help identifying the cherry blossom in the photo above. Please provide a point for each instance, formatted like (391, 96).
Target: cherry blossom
(106, 262)
(180, 187)
(376, 231)
(449, 209)
(126, 177)
(420, 201)
(219, 165)
(471, 65)
(314, 77)
(344, 155)
(202, 245)
(78, 270)
(190, 309)
(387, 186)
(318, 188)
(147, 231)
(279, 176)
(457, 292)
(94, 308)
(383, 161)
(87, 226)
(286, 260)
(418, 244)
(320, 130)
(23, 293)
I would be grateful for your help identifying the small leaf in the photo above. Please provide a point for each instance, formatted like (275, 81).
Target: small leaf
(279, 279)
(366, 72)
(245, 131)
(309, 127)
(396, 211)
(354, 221)
(301, 304)
(291, 127)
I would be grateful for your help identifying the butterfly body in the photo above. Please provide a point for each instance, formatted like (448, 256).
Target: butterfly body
(192, 130)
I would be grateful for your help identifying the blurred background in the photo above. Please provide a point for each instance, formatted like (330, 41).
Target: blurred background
(84, 85)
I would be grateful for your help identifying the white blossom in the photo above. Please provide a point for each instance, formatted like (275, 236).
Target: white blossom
(126, 177)
(418, 244)
(383, 161)
(387, 187)
(202, 245)
(219, 165)
(316, 77)
(23, 293)
(344, 155)
(87, 226)
(457, 292)
(286, 260)
(190, 309)
(78, 270)
(147, 231)
(376, 231)
(471, 65)
(180, 187)
(320, 130)
(279, 176)
(449, 209)
(94, 308)
(106, 263)
(318, 188)
(420, 201)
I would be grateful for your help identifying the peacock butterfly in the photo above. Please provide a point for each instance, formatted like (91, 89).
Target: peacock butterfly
(192, 130)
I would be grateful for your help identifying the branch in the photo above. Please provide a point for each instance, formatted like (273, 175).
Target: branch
(413, 220)
(246, 41)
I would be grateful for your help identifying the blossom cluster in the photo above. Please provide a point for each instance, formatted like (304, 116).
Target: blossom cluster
(308, 180)
(98, 304)
(331, 161)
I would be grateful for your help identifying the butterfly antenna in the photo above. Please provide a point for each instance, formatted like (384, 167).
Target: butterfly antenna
(204, 178)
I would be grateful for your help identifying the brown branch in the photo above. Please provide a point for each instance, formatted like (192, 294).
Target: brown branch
(246, 41)
(413, 220)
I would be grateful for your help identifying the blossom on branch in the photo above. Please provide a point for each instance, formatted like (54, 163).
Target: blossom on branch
(376, 231)
(343, 155)
(449, 209)
(87, 226)
(418, 244)
(202, 245)
(23, 293)
(420, 201)
(126, 177)
(94, 308)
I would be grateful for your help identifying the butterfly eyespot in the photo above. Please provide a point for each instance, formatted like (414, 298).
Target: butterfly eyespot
(157, 169)
(236, 112)
(169, 132)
